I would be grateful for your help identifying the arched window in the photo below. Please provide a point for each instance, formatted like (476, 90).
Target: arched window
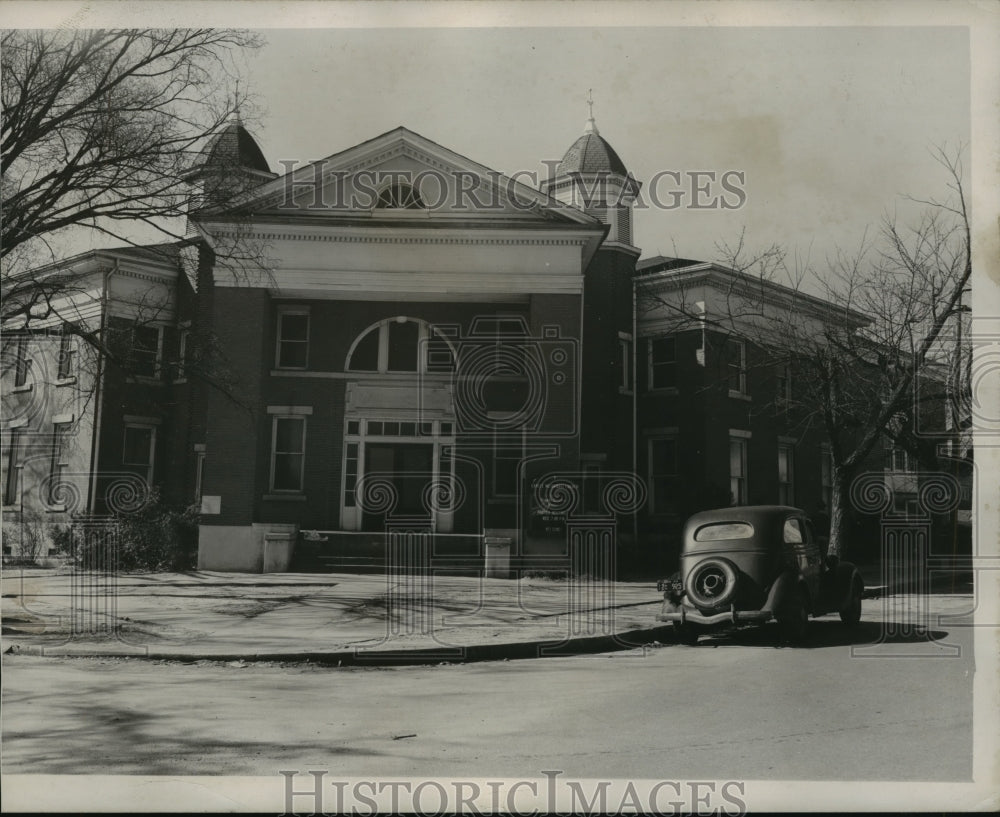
(401, 344)
(400, 196)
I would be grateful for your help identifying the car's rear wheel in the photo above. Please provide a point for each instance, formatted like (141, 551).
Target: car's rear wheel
(711, 583)
(686, 633)
(850, 613)
(793, 618)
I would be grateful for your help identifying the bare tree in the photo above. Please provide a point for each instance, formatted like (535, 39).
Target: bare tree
(100, 127)
(875, 350)
(101, 130)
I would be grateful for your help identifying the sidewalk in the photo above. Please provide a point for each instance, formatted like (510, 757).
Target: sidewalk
(332, 618)
(343, 618)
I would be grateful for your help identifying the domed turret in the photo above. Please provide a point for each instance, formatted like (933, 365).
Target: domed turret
(591, 153)
(230, 164)
(593, 177)
(234, 147)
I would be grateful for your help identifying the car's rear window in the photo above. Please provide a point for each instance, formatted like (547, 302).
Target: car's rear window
(723, 530)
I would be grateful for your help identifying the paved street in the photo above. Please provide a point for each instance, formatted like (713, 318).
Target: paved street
(735, 706)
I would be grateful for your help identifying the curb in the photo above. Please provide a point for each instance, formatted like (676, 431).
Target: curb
(516, 650)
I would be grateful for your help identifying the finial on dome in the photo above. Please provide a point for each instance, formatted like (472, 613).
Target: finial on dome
(591, 126)
(236, 103)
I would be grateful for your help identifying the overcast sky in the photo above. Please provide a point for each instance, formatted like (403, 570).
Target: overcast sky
(830, 125)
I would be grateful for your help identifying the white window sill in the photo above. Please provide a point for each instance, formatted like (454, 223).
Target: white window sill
(738, 395)
(284, 497)
(623, 390)
(66, 381)
(23, 388)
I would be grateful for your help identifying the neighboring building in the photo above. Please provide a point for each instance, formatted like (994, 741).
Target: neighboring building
(721, 420)
(83, 432)
(411, 342)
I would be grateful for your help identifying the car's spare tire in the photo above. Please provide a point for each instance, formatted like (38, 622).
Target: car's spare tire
(711, 582)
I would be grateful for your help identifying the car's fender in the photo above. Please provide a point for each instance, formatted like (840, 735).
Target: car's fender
(846, 575)
(789, 582)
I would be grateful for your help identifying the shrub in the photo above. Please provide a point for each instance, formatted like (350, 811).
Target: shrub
(156, 537)
(24, 538)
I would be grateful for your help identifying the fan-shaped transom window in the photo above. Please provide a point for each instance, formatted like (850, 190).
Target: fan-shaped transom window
(401, 344)
(400, 196)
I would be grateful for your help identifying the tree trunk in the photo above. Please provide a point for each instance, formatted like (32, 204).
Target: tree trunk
(841, 500)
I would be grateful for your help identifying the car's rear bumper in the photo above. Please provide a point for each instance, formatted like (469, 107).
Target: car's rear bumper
(688, 615)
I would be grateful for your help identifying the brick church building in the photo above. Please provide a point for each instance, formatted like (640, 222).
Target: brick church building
(397, 338)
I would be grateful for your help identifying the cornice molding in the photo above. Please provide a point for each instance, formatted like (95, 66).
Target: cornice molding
(341, 238)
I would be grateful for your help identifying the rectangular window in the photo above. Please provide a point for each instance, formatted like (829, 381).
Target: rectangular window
(138, 348)
(139, 450)
(736, 366)
(625, 361)
(737, 471)
(662, 363)
(67, 356)
(182, 353)
(351, 457)
(293, 340)
(199, 475)
(826, 476)
(783, 391)
(22, 364)
(59, 464)
(663, 474)
(146, 351)
(12, 471)
(900, 460)
(786, 475)
(288, 446)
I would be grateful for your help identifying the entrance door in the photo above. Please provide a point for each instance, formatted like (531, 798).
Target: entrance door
(409, 467)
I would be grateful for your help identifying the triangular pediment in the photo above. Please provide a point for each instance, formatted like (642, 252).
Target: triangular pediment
(402, 176)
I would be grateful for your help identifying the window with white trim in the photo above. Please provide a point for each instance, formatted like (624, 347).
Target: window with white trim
(662, 363)
(737, 471)
(183, 340)
(139, 450)
(625, 361)
(736, 366)
(400, 196)
(663, 474)
(66, 367)
(401, 345)
(12, 458)
(60, 461)
(783, 385)
(288, 448)
(22, 363)
(293, 339)
(786, 474)
(199, 475)
(900, 459)
(137, 347)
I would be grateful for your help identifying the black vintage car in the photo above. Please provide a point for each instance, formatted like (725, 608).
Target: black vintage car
(751, 564)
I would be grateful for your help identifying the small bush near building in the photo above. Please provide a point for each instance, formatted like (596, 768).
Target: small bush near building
(157, 537)
(25, 540)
